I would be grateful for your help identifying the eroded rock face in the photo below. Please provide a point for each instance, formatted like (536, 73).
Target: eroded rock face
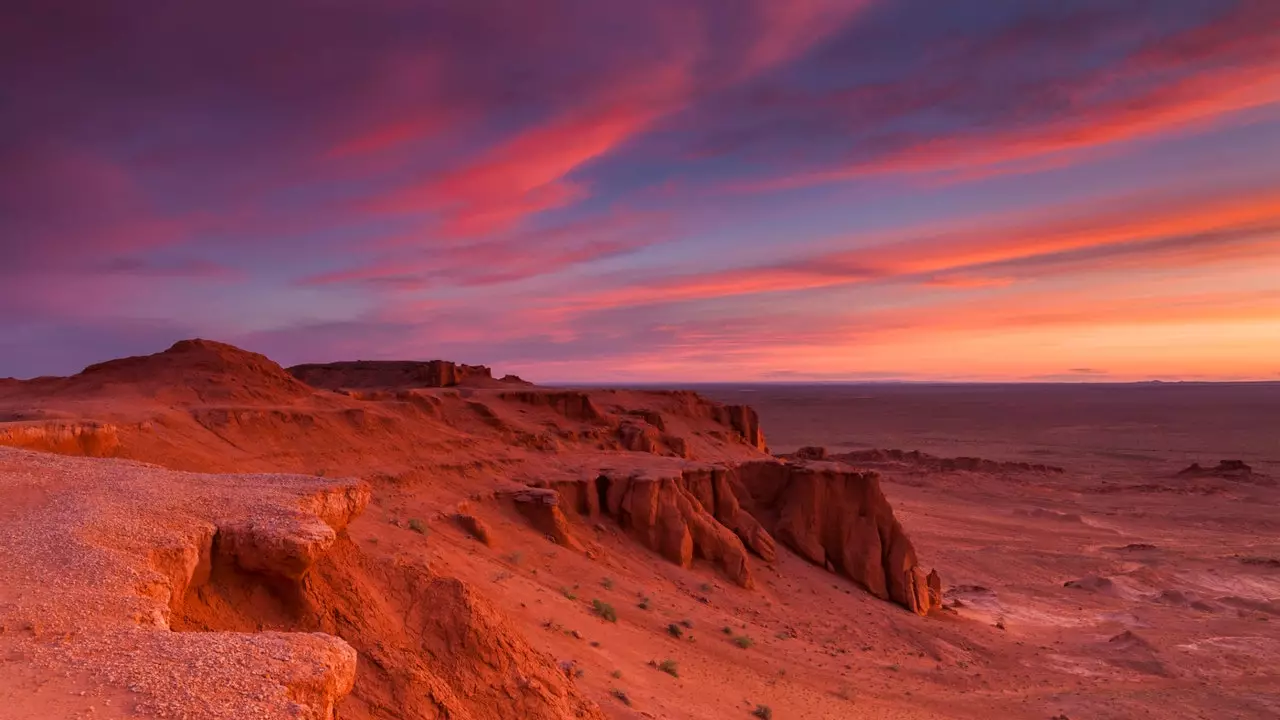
(666, 514)
(880, 457)
(88, 438)
(541, 507)
(368, 374)
(572, 404)
(287, 545)
(744, 419)
(830, 513)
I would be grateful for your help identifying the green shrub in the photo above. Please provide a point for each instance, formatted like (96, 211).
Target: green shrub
(605, 610)
(675, 630)
(669, 667)
(743, 642)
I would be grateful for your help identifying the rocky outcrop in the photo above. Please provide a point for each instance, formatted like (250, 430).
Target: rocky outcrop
(667, 515)
(572, 404)
(374, 374)
(744, 420)
(1237, 470)
(837, 517)
(89, 438)
(810, 452)
(828, 513)
(541, 506)
(926, 461)
(287, 545)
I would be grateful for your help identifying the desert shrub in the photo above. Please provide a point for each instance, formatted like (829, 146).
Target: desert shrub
(675, 630)
(644, 604)
(605, 610)
(687, 622)
(607, 583)
(621, 696)
(764, 712)
(568, 593)
(743, 642)
(418, 526)
(616, 674)
(670, 667)
(726, 630)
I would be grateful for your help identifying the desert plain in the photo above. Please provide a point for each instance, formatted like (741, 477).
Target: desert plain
(201, 533)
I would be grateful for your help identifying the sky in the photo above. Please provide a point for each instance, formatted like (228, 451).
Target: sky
(658, 191)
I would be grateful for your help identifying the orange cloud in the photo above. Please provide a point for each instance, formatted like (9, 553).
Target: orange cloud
(1226, 228)
(527, 173)
(1243, 72)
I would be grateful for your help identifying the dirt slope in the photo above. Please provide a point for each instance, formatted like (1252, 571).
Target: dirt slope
(434, 637)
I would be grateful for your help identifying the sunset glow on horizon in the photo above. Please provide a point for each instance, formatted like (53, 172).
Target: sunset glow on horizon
(689, 191)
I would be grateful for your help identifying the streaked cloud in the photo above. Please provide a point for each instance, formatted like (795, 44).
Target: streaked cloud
(669, 189)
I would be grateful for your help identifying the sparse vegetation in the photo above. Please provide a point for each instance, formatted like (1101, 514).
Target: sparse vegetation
(705, 587)
(604, 610)
(568, 593)
(895, 667)
(621, 696)
(687, 622)
(743, 642)
(675, 630)
(607, 583)
(514, 558)
(616, 674)
(726, 630)
(644, 604)
(764, 712)
(670, 667)
(418, 526)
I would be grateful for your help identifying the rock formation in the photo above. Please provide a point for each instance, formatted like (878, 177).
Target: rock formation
(269, 598)
(828, 513)
(542, 508)
(833, 515)
(572, 404)
(376, 374)
(1237, 470)
(922, 460)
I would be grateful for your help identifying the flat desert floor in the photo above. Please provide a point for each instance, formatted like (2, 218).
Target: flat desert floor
(1122, 589)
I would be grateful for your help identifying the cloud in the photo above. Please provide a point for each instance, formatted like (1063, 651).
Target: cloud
(1165, 232)
(543, 183)
(1044, 88)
